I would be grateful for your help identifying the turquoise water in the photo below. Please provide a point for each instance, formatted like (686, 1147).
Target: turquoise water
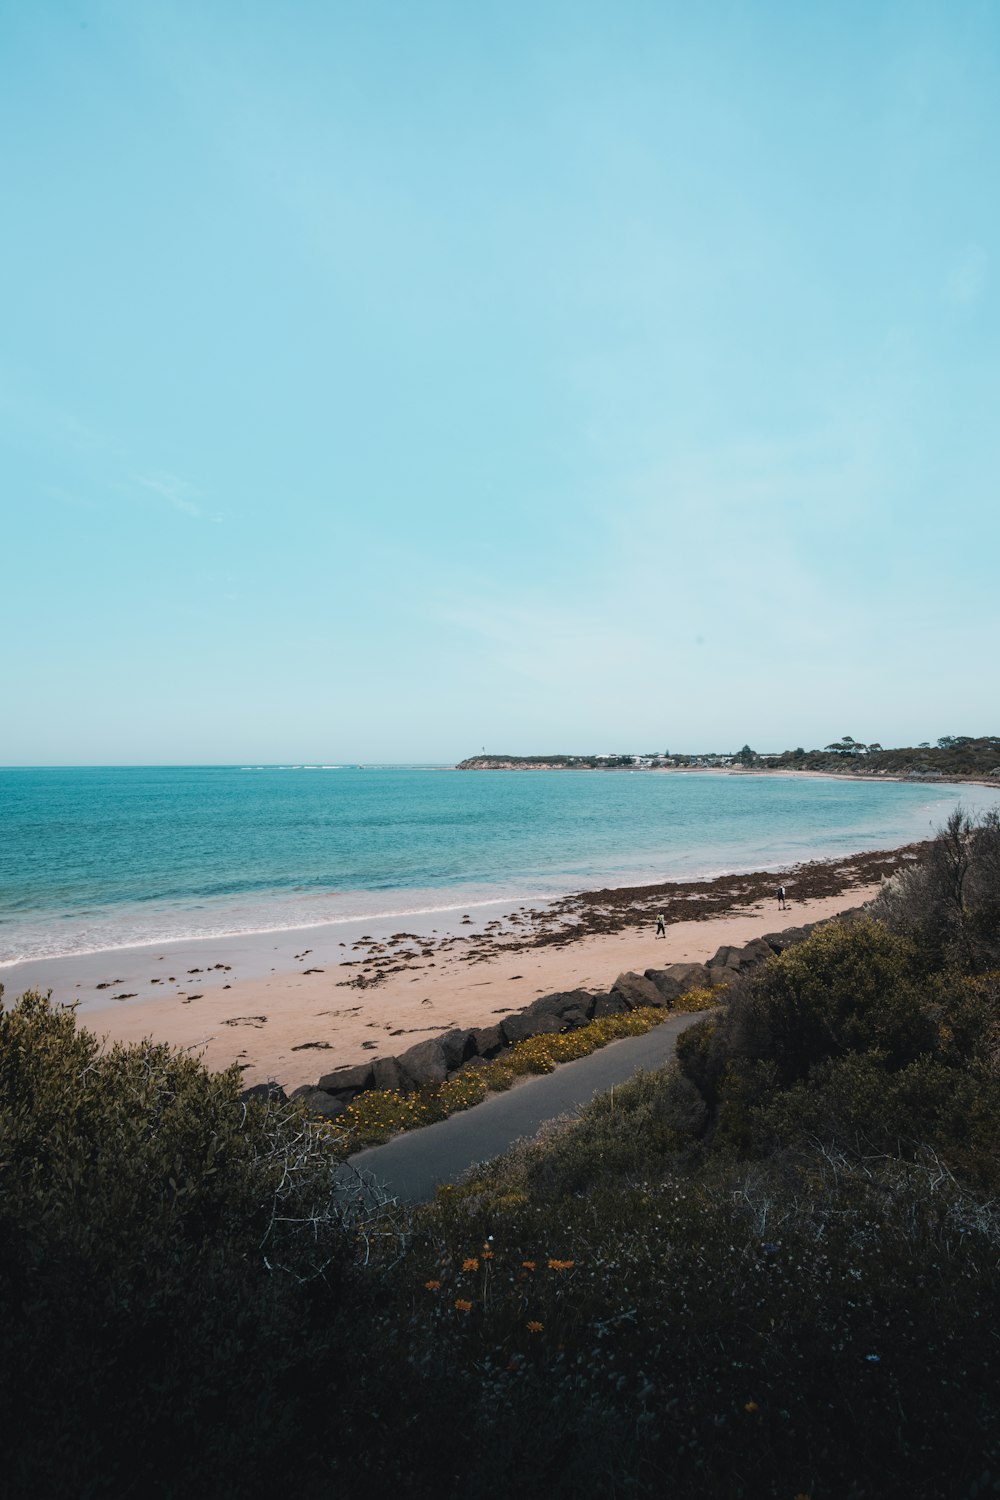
(98, 858)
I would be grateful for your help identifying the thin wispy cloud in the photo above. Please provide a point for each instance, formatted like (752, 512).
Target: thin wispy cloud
(174, 491)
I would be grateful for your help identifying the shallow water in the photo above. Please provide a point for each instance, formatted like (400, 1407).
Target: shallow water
(100, 858)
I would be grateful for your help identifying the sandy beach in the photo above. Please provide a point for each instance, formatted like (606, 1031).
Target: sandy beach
(291, 1006)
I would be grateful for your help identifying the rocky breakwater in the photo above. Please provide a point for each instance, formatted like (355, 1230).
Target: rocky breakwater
(434, 1061)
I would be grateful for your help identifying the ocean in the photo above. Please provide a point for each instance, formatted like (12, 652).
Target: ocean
(100, 858)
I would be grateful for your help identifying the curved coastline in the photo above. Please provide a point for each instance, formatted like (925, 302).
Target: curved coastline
(119, 862)
(301, 1005)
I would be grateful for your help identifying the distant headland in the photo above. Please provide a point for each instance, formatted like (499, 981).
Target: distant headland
(952, 757)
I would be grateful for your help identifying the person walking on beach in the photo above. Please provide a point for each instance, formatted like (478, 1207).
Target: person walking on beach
(661, 926)
(782, 904)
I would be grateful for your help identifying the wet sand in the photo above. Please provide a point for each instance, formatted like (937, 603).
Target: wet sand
(294, 1005)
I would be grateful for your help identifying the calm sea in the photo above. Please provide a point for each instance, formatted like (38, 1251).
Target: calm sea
(99, 858)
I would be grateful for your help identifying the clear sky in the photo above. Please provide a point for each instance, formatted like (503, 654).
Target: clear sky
(385, 381)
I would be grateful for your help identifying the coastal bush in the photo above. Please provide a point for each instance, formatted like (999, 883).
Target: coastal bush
(158, 1238)
(852, 1039)
(949, 903)
(810, 1327)
(846, 988)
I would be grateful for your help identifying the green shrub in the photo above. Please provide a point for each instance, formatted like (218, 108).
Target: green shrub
(161, 1243)
(949, 904)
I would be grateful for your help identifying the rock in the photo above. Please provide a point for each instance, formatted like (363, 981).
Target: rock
(346, 1082)
(573, 1017)
(266, 1093)
(519, 1028)
(487, 1041)
(676, 979)
(691, 976)
(424, 1063)
(730, 961)
(636, 990)
(387, 1074)
(610, 1005)
(456, 1046)
(757, 951)
(779, 941)
(472, 1063)
(319, 1102)
(563, 1002)
(669, 989)
(726, 957)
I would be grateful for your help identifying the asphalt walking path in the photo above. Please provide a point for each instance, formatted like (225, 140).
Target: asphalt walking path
(412, 1166)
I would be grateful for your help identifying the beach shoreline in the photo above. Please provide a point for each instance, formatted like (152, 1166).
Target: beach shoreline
(296, 1004)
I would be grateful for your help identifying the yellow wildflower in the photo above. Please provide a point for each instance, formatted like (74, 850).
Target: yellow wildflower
(433, 1286)
(560, 1265)
(471, 1264)
(751, 1406)
(529, 1265)
(462, 1305)
(535, 1327)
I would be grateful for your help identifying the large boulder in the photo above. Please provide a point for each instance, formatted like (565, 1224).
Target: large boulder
(472, 1064)
(636, 990)
(669, 989)
(691, 976)
(387, 1074)
(529, 1023)
(319, 1102)
(424, 1063)
(676, 979)
(757, 951)
(573, 1017)
(456, 1046)
(729, 961)
(725, 958)
(487, 1041)
(345, 1083)
(610, 1005)
(779, 941)
(565, 1003)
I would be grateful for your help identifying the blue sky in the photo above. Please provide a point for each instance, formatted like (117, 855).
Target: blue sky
(383, 381)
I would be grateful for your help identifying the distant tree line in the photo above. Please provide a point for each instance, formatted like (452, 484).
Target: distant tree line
(953, 755)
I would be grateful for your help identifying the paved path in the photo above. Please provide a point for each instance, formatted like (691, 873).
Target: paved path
(411, 1166)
